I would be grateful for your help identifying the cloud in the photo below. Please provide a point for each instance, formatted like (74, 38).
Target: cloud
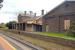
(11, 8)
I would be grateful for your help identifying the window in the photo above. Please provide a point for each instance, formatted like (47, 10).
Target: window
(66, 24)
(47, 28)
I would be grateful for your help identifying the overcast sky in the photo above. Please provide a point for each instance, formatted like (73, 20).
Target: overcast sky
(11, 8)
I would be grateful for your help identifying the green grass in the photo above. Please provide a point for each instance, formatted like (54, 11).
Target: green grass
(52, 34)
(60, 35)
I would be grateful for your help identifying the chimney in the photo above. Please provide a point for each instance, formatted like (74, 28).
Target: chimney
(34, 14)
(30, 12)
(42, 12)
(25, 12)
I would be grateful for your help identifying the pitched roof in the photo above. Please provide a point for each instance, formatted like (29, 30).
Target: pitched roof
(53, 10)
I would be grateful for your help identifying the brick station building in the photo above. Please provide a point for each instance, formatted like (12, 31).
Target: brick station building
(60, 18)
(28, 22)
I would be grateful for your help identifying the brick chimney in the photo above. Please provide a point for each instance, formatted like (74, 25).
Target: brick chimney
(34, 14)
(42, 12)
(31, 12)
(25, 12)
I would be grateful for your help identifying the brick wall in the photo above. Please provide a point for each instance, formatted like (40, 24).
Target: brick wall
(55, 18)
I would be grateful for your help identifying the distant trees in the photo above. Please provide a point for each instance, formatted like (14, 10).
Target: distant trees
(2, 25)
(10, 23)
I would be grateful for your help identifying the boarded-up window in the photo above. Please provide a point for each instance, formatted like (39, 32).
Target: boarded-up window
(66, 24)
(47, 28)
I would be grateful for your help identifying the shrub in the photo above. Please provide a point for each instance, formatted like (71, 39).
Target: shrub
(71, 31)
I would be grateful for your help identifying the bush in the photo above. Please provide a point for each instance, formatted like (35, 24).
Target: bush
(71, 33)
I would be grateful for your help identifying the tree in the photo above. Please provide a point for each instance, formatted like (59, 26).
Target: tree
(1, 4)
(1, 1)
(71, 31)
(9, 24)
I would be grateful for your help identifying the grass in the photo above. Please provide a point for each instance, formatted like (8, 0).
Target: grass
(53, 34)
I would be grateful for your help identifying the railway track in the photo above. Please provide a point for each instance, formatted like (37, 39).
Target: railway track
(25, 43)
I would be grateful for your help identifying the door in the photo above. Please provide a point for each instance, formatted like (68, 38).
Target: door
(66, 24)
(47, 28)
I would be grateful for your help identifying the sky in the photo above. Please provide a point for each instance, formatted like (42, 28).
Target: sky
(11, 8)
